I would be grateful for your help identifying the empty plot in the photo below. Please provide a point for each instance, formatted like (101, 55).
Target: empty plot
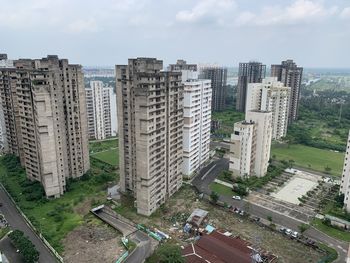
(296, 188)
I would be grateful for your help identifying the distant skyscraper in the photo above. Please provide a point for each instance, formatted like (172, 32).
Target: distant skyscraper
(44, 109)
(252, 72)
(218, 77)
(271, 95)
(345, 179)
(182, 65)
(251, 144)
(150, 118)
(99, 102)
(290, 75)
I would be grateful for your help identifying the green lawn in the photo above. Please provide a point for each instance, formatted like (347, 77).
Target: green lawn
(221, 189)
(331, 231)
(57, 217)
(99, 146)
(110, 156)
(309, 157)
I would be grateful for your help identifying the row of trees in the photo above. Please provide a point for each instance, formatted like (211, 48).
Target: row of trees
(25, 246)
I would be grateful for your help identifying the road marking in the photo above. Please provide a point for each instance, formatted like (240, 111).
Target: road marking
(207, 172)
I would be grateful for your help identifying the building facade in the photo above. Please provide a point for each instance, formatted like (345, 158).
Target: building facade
(251, 145)
(99, 105)
(251, 72)
(44, 109)
(218, 77)
(345, 180)
(150, 118)
(271, 95)
(290, 75)
(197, 121)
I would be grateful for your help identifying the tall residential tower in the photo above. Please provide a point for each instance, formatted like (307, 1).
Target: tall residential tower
(150, 117)
(345, 179)
(45, 117)
(99, 103)
(252, 72)
(290, 75)
(270, 95)
(218, 77)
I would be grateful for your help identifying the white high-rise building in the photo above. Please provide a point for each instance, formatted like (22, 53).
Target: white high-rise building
(345, 180)
(197, 119)
(271, 95)
(251, 144)
(100, 100)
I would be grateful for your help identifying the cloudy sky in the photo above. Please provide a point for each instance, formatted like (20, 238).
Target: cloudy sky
(315, 33)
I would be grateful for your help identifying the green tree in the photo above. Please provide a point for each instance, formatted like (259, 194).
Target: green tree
(214, 197)
(169, 253)
(25, 246)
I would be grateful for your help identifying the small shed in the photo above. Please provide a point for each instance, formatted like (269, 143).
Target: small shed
(197, 217)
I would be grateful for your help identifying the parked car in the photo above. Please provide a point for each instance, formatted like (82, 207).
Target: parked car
(282, 229)
(295, 234)
(236, 197)
(288, 232)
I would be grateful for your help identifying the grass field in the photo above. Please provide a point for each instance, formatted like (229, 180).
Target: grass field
(99, 146)
(331, 231)
(57, 217)
(109, 156)
(309, 157)
(221, 189)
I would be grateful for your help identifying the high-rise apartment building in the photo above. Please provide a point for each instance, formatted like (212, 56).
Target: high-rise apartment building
(44, 109)
(251, 72)
(270, 95)
(99, 104)
(218, 77)
(251, 144)
(150, 118)
(290, 75)
(197, 117)
(197, 120)
(345, 179)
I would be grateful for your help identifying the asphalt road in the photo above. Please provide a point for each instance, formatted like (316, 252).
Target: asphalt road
(16, 221)
(210, 172)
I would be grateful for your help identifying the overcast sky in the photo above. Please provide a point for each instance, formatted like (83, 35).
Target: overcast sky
(315, 33)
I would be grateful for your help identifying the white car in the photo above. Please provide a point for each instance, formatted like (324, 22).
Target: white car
(295, 234)
(288, 232)
(236, 197)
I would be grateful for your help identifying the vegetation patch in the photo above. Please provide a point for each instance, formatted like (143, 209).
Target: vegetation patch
(310, 157)
(108, 156)
(56, 217)
(330, 230)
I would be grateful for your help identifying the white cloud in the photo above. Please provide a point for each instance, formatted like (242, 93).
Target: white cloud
(345, 13)
(300, 11)
(82, 25)
(206, 10)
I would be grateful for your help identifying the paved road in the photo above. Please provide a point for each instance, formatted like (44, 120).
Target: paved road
(210, 172)
(16, 221)
(143, 241)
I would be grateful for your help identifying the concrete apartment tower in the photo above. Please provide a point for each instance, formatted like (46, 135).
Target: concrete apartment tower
(290, 75)
(4, 63)
(99, 105)
(251, 72)
(150, 118)
(345, 180)
(218, 77)
(251, 145)
(45, 116)
(270, 95)
(197, 117)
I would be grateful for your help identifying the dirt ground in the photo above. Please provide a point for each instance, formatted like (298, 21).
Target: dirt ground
(92, 243)
(184, 201)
